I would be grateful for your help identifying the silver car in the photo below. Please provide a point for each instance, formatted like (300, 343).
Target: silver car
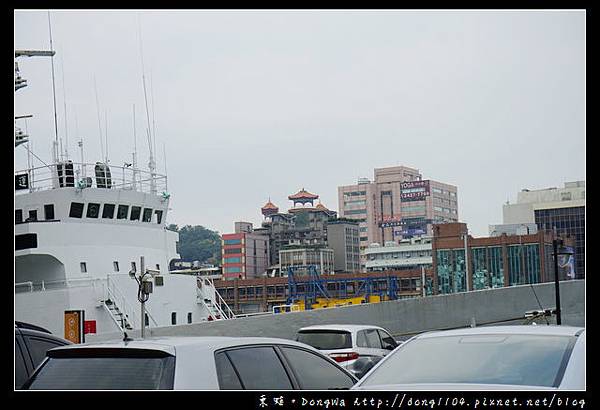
(485, 358)
(354, 347)
(190, 363)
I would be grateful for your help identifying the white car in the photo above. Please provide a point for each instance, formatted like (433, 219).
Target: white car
(354, 347)
(190, 363)
(485, 358)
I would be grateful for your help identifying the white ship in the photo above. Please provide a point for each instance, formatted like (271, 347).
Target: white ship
(81, 231)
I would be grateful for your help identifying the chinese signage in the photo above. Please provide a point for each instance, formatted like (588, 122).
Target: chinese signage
(22, 181)
(74, 322)
(414, 190)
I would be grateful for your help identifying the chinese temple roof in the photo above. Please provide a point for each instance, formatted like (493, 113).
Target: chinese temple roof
(321, 207)
(270, 205)
(303, 194)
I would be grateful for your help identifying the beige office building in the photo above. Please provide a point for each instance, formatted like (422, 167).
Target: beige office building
(398, 204)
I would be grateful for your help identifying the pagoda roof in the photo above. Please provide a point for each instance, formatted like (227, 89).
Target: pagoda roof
(321, 207)
(303, 194)
(270, 205)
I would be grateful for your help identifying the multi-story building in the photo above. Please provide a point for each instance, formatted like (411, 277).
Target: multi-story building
(397, 204)
(561, 210)
(245, 254)
(343, 238)
(302, 256)
(411, 253)
(499, 261)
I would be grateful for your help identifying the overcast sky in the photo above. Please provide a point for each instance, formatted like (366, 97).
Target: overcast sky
(257, 104)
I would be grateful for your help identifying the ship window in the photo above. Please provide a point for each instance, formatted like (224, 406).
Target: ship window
(158, 216)
(32, 215)
(135, 213)
(93, 210)
(83, 267)
(146, 320)
(133, 267)
(122, 211)
(76, 210)
(157, 266)
(25, 241)
(189, 317)
(116, 266)
(108, 211)
(49, 211)
(18, 216)
(147, 215)
(173, 318)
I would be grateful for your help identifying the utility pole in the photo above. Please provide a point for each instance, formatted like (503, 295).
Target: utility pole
(466, 236)
(423, 279)
(555, 243)
(142, 300)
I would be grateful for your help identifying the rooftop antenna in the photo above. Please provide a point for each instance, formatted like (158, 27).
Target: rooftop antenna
(151, 162)
(165, 160)
(106, 133)
(55, 150)
(152, 104)
(134, 162)
(65, 107)
(98, 113)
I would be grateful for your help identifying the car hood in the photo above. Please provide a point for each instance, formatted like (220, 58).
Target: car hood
(449, 386)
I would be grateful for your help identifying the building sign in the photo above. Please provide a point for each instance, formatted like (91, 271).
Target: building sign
(414, 190)
(22, 181)
(566, 263)
(387, 222)
(74, 320)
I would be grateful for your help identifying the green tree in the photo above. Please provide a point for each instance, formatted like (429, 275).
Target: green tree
(197, 243)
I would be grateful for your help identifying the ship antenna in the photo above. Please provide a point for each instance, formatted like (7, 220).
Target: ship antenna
(65, 105)
(165, 160)
(134, 162)
(106, 133)
(152, 104)
(98, 113)
(55, 152)
(151, 163)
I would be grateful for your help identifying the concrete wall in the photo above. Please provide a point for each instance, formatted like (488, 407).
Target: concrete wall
(403, 317)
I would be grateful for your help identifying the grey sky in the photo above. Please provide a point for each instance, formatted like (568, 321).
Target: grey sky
(258, 104)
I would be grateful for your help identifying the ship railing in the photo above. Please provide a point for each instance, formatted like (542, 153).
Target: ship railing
(87, 175)
(219, 303)
(122, 303)
(44, 285)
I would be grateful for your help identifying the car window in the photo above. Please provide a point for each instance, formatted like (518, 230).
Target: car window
(361, 339)
(314, 372)
(105, 373)
(38, 346)
(228, 379)
(386, 340)
(260, 368)
(20, 368)
(373, 339)
(325, 339)
(528, 360)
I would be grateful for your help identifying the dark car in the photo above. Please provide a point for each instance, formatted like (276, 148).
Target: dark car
(31, 344)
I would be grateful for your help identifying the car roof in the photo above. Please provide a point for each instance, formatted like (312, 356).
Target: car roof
(351, 328)
(549, 330)
(170, 344)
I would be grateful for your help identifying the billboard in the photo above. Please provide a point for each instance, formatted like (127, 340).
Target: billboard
(414, 190)
(22, 181)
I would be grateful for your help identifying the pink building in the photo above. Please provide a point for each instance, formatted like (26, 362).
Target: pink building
(245, 255)
(397, 204)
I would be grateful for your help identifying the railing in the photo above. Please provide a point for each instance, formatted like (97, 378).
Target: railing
(219, 304)
(56, 284)
(86, 175)
(124, 306)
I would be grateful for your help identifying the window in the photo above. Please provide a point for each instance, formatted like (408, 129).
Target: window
(189, 317)
(108, 211)
(228, 379)
(38, 347)
(232, 241)
(122, 211)
(25, 241)
(326, 339)
(157, 266)
(146, 319)
(135, 213)
(270, 375)
(147, 217)
(173, 318)
(314, 372)
(32, 215)
(93, 210)
(387, 341)
(21, 374)
(18, 216)
(158, 216)
(233, 250)
(116, 266)
(83, 267)
(133, 267)
(49, 212)
(373, 338)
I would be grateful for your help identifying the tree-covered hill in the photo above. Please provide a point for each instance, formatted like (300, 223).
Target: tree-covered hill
(197, 243)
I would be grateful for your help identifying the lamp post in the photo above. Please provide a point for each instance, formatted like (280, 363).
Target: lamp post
(555, 244)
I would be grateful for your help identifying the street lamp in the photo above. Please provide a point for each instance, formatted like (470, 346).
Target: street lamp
(555, 244)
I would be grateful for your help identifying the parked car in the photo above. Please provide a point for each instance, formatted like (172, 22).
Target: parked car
(190, 363)
(355, 347)
(485, 358)
(31, 344)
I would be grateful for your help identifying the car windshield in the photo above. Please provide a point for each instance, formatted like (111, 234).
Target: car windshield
(105, 373)
(528, 360)
(326, 339)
